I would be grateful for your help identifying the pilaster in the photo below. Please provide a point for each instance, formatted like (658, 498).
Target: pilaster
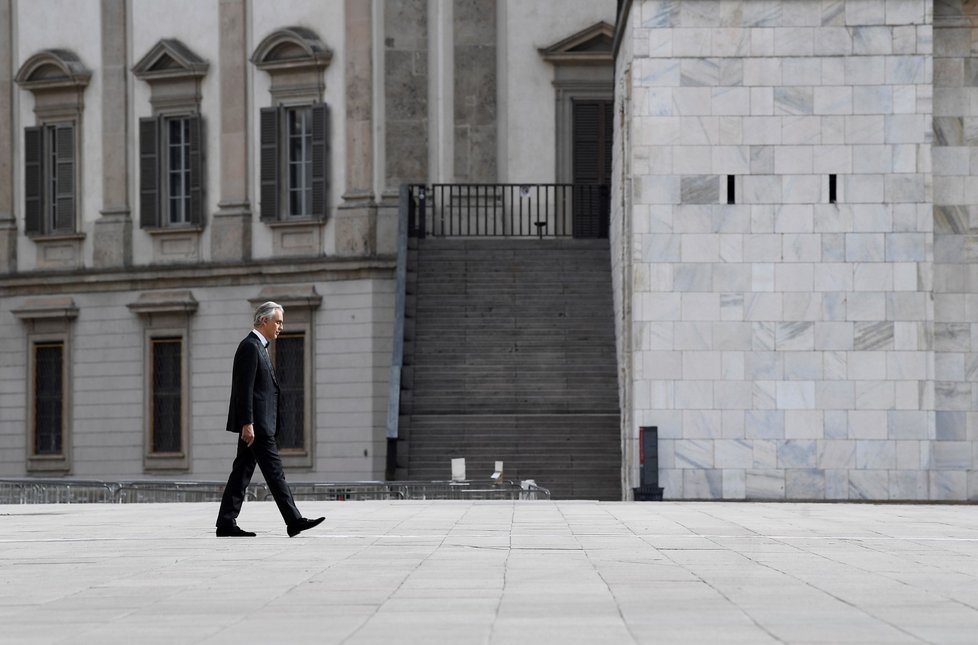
(231, 225)
(356, 217)
(113, 230)
(475, 90)
(8, 222)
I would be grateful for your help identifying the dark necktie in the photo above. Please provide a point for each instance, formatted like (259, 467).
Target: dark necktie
(268, 361)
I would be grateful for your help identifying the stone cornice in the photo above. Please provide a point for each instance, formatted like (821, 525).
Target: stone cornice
(197, 276)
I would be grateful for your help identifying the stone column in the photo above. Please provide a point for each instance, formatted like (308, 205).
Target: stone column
(231, 227)
(8, 222)
(113, 230)
(475, 90)
(356, 218)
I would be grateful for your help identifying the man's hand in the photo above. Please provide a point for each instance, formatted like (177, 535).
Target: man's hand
(248, 434)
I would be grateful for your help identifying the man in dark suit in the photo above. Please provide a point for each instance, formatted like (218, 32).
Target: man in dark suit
(253, 414)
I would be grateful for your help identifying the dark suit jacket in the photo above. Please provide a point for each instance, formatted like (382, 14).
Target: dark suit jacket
(254, 390)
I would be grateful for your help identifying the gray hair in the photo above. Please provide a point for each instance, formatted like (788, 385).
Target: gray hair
(265, 311)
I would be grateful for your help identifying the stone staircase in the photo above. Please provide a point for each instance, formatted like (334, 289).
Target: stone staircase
(510, 355)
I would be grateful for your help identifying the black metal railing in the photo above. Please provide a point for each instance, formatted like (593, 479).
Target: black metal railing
(508, 210)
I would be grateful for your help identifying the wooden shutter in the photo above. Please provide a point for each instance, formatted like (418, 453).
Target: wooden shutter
(33, 179)
(320, 160)
(196, 124)
(149, 172)
(64, 214)
(270, 163)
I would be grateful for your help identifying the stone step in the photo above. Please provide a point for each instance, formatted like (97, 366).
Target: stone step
(511, 354)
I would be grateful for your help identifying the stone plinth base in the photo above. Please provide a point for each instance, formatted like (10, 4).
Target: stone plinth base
(231, 233)
(113, 240)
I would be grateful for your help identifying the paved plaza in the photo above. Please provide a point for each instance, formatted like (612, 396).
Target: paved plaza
(492, 572)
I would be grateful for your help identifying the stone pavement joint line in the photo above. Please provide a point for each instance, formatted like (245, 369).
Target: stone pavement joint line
(492, 573)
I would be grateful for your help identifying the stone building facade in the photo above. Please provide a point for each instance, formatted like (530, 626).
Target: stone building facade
(165, 166)
(793, 232)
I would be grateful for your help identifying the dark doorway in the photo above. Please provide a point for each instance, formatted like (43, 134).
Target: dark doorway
(593, 136)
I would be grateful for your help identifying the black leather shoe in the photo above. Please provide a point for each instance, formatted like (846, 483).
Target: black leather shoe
(302, 524)
(233, 531)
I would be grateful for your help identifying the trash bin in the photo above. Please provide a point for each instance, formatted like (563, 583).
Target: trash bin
(648, 459)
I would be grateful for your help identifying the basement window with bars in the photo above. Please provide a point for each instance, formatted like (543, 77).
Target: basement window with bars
(290, 371)
(49, 398)
(166, 378)
(167, 395)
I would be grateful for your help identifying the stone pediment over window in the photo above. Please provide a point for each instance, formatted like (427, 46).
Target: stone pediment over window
(58, 79)
(295, 58)
(169, 59)
(289, 296)
(47, 307)
(591, 46)
(291, 48)
(173, 71)
(164, 302)
(53, 69)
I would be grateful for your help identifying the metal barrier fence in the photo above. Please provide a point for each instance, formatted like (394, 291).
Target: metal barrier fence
(58, 491)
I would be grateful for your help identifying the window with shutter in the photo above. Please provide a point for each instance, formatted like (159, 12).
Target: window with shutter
(33, 180)
(171, 171)
(149, 184)
(167, 390)
(320, 160)
(49, 179)
(64, 178)
(269, 163)
(294, 162)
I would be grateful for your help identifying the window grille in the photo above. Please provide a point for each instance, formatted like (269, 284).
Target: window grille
(290, 372)
(167, 360)
(48, 398)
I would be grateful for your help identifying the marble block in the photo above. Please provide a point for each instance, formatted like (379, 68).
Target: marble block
(765, 484)
(804, 483)
(948, 484)
(694, 454)
(702, 484)
(734, 484)
(839, 454)
(734, 454)
(875, 455)
(911, 485)
(797, 453)
(764, 424)
(868, 484)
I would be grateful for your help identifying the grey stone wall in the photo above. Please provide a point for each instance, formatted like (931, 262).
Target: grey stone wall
(474, 23)
(406, 91)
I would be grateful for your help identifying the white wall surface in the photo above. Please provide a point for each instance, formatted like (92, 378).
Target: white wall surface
(527, 96)
(74, 25)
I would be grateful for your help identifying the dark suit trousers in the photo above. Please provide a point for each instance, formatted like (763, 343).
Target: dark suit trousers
(264, 453)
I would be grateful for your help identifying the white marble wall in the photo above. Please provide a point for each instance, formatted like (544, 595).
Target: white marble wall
(783, 344)
(955, 450)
